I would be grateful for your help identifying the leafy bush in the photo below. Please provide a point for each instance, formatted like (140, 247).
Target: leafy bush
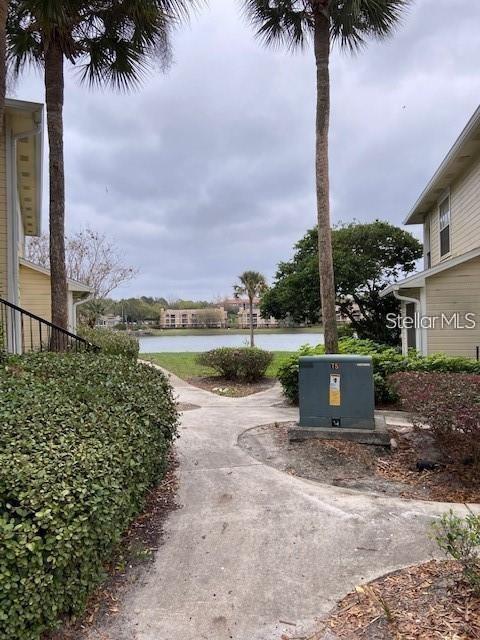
(345, 330)
(460, 539)
(246, 363)
(82, 438)
(114, 343)
(386, 361)
(449, 403)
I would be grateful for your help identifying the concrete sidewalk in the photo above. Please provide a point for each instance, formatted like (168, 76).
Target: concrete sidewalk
(254, 553)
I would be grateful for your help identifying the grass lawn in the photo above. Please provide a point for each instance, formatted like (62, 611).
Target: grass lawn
(184, 364)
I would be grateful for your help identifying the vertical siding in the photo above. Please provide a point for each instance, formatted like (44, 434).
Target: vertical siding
(3, 218)
(455, 290)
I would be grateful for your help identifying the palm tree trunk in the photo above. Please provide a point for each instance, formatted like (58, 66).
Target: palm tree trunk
(54, 87)
(252, 341)
(327, 281)
(3, 45)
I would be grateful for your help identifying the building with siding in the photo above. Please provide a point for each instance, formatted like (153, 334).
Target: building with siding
(23, 283)
(441, 304)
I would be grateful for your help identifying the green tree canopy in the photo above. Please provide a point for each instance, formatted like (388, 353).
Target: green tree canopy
(367, 257)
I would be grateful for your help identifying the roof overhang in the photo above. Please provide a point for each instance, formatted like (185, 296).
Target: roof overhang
(73, 285)
(466, 147)
(27, 118)
(417, 280)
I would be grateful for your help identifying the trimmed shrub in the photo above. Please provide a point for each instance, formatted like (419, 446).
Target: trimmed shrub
(82, 438)
(460, 538)
(449, 403)
(386, 361)
(111, 342)
(246, 363)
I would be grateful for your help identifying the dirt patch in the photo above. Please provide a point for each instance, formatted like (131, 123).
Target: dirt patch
(366, 467)
(430, 601)
(187, 406)
(231, 388)
(127, 566)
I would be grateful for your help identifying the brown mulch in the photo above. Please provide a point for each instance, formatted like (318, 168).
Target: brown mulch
(430, 601)
(231, 388)
(366, 467)
(451, 482)
(136, 549)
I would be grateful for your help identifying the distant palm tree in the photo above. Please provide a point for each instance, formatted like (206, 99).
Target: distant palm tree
(112, 41)
(252, 284)
(293, 23)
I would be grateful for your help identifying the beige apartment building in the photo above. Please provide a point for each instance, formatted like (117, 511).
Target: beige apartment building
(210, 317)
(441, 304)
(242, 308)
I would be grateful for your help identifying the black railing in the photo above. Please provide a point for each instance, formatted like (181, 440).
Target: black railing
(22, 331)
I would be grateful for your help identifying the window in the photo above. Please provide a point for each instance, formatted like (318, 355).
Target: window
(444, 219)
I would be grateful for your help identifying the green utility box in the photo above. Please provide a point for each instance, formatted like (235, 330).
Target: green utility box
(336, 391)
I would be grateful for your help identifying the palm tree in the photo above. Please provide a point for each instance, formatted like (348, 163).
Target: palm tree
(112, 42)
(3, 46)
(293, 23)
(252, 284)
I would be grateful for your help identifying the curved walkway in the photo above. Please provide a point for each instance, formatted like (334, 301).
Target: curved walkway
(254, 553)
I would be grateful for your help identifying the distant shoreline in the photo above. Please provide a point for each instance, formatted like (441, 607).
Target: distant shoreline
(223, 332)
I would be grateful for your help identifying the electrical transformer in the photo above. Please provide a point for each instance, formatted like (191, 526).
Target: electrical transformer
(336, 391)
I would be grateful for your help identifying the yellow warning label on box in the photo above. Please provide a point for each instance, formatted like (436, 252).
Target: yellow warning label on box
(334, 396)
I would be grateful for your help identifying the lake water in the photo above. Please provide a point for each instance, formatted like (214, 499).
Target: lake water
(269, 341)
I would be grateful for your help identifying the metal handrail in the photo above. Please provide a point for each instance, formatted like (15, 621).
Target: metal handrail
(22, 331)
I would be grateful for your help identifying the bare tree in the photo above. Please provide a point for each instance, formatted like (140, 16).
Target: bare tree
(91, 258)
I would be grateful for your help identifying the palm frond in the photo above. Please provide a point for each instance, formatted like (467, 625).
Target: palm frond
(252, 284)
(286, 23)
(353, 21)
(114, 42)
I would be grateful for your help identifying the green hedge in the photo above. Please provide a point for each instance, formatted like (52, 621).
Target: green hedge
(115, 343)
(245, 363)
(386, 361)
(82, 438)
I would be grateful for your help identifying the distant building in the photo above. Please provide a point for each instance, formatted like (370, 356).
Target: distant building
(355, 312)
(243, 321)
(108, 321)
(239, 304)
(242, 308)
(209, 317)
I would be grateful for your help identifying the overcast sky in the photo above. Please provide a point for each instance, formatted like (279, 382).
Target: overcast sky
(208, 170)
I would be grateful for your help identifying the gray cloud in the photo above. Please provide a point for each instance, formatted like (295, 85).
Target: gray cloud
(208, 170)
